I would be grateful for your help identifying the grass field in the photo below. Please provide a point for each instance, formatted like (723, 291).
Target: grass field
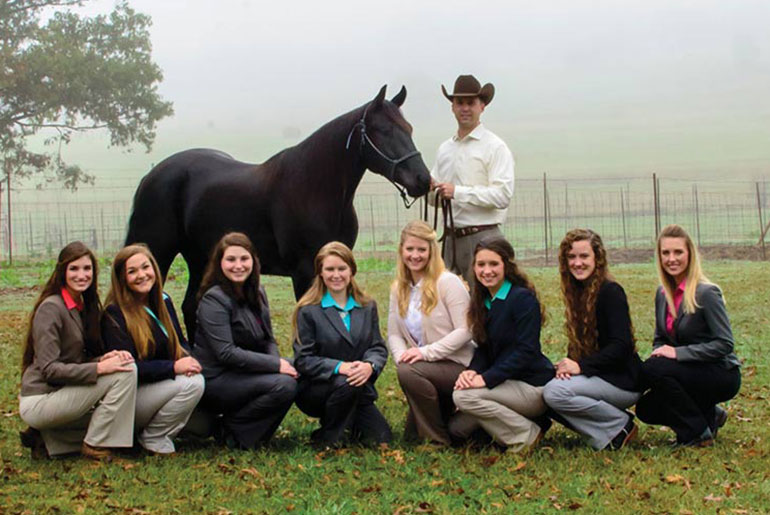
(562, 475)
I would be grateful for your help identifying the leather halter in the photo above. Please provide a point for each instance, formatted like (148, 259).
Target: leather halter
(390, 174)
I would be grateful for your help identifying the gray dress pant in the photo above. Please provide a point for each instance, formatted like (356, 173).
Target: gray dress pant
(594, 407)
(100, 414)
(465, 247)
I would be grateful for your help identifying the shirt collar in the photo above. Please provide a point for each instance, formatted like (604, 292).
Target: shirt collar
(681, 286)
(474, 134)
(502, 294)
(69, 302)
(328, 302)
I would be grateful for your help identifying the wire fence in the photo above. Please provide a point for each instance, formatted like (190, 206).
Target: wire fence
(627, 212)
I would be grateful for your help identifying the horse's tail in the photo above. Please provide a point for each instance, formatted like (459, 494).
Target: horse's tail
(156, 217)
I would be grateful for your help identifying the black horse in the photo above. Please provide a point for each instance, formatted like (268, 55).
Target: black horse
(289, 206)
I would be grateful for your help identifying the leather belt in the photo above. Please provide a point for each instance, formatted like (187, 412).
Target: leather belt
(472, 229)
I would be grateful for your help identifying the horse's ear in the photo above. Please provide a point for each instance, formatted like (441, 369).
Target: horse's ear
(380, 96)
(400, 97)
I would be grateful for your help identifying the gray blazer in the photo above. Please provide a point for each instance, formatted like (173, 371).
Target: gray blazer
(702, 336)
(323, 341)
(59, 345)
(229, 336)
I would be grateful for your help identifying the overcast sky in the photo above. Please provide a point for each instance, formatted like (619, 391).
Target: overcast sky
(583, 87)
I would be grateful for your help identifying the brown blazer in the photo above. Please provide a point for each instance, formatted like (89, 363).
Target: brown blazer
(59, 346)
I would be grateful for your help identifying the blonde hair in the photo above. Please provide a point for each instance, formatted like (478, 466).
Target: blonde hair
(694, 275)
(138, 321)
(317, 288)
(433, 269)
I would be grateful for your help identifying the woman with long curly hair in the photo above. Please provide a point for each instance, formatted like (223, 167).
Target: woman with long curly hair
(502, 388)
(339, 352)
(74, 397)
(599, 378)
(692, 367)
(428, 333)
(247, 380)
(140, 318)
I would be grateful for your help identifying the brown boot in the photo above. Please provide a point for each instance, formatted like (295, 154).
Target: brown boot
(95, 453)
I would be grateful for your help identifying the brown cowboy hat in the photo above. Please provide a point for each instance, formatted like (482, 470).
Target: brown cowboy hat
(469, 86)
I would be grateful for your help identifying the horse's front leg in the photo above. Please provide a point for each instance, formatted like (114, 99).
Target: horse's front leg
(302, 277)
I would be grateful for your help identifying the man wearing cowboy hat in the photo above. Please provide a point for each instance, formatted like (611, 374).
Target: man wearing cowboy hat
(474, 169)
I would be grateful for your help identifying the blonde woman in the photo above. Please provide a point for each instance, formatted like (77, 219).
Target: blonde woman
(428, 333)
(339, 352)
(74, 397)
(141, 319)
(692, 367)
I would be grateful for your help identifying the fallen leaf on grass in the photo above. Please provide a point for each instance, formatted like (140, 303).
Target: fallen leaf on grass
(736, 510)
(575, 506)
(520, 465)
(290, 507)
(251, 471)
(372, 488)
(437, 482)
(424, 507)
(490, 460)
(712, 498)
(674, 478)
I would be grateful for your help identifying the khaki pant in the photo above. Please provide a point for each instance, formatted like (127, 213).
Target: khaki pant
(465, 247)
(505, 412)
(163, 408)
(100, 414)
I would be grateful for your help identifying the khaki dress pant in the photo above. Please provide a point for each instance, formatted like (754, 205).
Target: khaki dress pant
(163, 408)
(465, 247)
(100, 414)
(505, 412)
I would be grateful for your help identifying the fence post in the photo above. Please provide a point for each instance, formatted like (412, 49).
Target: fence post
(697, 212)
(623, 213)
(656, 204)
(371, 216)
(761, 223)
(545, 216)
(10, 221)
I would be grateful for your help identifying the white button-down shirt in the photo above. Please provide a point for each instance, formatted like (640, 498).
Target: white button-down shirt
(480, 165)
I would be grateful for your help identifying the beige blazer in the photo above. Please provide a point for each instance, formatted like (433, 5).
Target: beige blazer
(59, 345)
(445, 329)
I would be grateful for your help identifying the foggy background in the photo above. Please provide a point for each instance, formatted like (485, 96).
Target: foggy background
(583, 88)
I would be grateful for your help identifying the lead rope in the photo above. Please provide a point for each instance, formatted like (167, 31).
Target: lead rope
(448, 222)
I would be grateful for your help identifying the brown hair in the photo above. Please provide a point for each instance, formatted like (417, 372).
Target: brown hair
(478, 312)
(213, 275)
(580, 296)
(138, 321)
(92, 305)
(317, 288)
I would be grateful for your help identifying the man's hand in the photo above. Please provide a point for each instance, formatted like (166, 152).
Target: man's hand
(446, 190)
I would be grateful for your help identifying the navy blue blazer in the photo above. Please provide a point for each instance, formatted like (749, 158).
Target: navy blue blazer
(160, 365)
(512, 349)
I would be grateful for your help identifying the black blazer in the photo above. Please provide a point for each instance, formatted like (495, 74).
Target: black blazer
(512, 349)
(616, 360)
(154, 368)
(323, 341)
(702, 336)
(230, 336)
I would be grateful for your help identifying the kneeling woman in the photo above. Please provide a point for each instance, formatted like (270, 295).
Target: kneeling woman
(599, 378)
(339, 352)
(141, 319)
(692, 366)
(502, 388)
(246, 378)
(427, 332)
(73, 404)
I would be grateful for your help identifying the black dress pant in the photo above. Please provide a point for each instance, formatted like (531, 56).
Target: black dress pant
(344, 410)
(683, 395)
(252, 405)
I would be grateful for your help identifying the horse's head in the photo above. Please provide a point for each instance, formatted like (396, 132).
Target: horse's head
(387, 146)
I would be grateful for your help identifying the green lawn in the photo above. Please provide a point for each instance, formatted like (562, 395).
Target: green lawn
(563, 474)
